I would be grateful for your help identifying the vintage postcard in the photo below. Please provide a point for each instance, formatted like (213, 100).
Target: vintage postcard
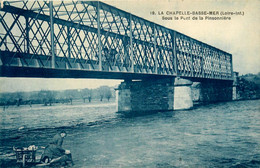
(129, 83)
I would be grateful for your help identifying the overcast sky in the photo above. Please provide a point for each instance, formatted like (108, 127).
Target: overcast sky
(239, 36)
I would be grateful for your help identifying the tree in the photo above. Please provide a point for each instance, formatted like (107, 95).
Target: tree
(70, 94)
(108, 94)
(89, 95)
(104, 91)
(47, 96)
(101, 93)
(19, 98)
(101, 96)
(86, 94)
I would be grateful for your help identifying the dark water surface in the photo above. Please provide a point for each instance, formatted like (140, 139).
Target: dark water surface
(216, 135)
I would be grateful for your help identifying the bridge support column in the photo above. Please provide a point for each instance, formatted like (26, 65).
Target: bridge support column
(182, 94)
(216, 91)
(235, 83)
(123, 96)
(146, 95)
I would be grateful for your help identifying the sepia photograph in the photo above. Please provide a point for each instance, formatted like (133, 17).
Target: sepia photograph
(129, 83)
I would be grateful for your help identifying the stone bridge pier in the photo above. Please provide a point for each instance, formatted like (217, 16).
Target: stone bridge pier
(168, 94)
(215, 91)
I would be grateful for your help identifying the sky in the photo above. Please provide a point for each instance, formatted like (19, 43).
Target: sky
(239, 36)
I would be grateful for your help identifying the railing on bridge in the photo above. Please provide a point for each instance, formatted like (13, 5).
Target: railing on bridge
(91, 35)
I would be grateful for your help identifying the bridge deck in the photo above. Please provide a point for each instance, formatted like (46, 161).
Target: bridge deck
(93, 37)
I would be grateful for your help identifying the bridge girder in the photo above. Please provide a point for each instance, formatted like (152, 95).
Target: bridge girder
(94, 36)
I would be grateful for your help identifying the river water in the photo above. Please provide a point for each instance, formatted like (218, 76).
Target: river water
(216, 135)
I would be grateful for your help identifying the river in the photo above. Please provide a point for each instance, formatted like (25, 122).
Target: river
(216, 135)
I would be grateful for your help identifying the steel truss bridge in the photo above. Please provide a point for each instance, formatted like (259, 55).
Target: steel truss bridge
(91, 39)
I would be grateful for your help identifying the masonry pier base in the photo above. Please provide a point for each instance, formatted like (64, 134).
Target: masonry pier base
(146, 95)
(154, 95)
(216, 91)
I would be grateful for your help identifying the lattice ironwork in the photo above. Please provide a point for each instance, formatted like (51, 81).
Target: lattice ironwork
(91, 35)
